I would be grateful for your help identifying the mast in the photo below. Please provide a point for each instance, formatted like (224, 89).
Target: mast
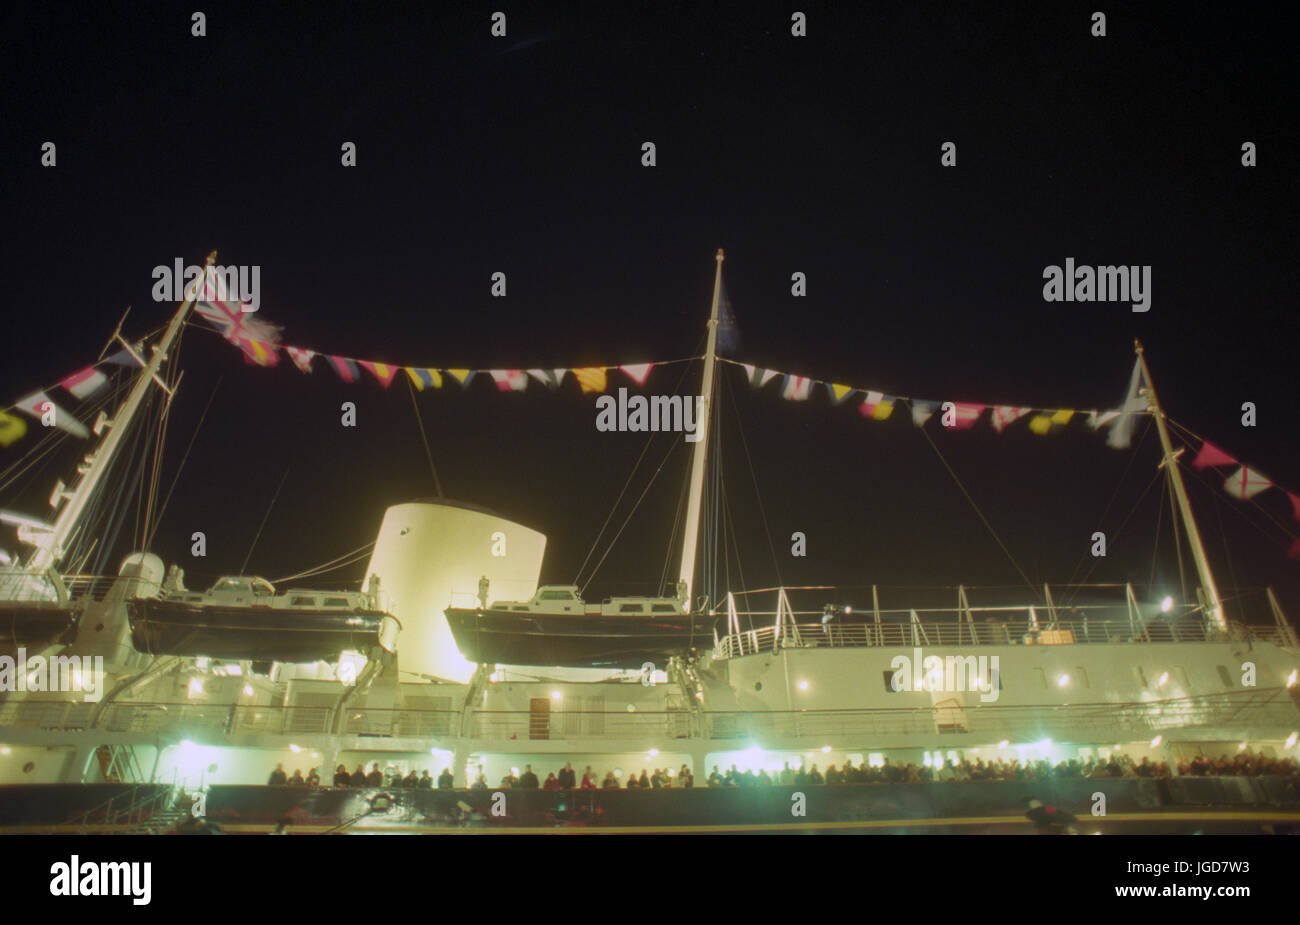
(1213, 603)
(50, 542)
(695, 500)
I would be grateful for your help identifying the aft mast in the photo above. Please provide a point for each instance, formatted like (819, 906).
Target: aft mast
(695, 500)
(50, 541)
(1213, 603)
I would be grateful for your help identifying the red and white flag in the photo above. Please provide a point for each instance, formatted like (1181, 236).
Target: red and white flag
(381, 371)
(963, 417)
(301, 357)
(1245, 483)
(510, 380)
(1211, 455)
(1006, 414)
(797, 388)
(85, 383)
(638, 372)
(39, 406)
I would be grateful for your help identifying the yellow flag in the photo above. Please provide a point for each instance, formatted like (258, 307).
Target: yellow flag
(591, 379)
(12, 428)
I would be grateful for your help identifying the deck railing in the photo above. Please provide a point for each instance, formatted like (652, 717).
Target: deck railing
(1266, 709)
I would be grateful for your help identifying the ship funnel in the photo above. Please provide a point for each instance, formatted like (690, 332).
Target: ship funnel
(431, 554)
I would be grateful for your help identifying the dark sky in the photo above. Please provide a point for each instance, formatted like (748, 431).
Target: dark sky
(820, 155)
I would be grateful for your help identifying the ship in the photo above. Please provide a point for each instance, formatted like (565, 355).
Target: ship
(448, 658)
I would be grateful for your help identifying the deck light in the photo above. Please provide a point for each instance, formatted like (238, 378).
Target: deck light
(654, 753)
(1164, 678)
(1003, 744)
(803, 685)
(1155, 743)
(1167, 604)
(1291, 679)
(1063, 680)
(1290, 742)
(295, 748)
(248, 690)
(826, 749)
(555, 695)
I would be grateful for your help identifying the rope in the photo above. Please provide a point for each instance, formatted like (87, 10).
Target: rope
(988, 525)
(177, 477)
(410, 386)
(758, 496)
(265, 516)
(329, 565)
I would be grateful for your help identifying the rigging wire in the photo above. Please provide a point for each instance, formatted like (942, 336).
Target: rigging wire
(410, 385)
(162, 509)
(331, 565)
(758, 495)
(262, 525)
(987, 525)
(1128, 467)
(622, 492)
(1097, 560)
(610, 548)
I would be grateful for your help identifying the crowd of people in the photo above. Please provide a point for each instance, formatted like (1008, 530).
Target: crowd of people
(1243, 764)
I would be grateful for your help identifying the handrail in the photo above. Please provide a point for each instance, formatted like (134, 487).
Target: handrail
(1268, 705)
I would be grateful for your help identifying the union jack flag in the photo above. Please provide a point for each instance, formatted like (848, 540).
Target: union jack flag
(256, 338)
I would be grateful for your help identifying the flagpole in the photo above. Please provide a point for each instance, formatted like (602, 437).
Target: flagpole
(49, 543)
(695, 501)
(1213, 602)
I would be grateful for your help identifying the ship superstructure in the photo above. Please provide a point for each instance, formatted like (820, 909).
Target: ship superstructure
(218, 688)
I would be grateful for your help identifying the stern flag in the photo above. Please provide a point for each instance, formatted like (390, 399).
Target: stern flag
(301, 357)
(728, 331)
(381, 371)
(1211, 455)
(1245, 483)
(85, 383)
(39, 405)
(1121, 432)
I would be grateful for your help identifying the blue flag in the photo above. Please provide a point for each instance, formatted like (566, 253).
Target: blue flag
(728, 331)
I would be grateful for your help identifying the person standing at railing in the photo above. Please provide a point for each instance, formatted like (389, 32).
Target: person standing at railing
(567, 779)
(359, 776)
(588, 779)
(313, 778)
(341, 777)
(445, 779)
(278, 777)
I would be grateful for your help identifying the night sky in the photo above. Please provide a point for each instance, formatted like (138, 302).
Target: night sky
(819, 154)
